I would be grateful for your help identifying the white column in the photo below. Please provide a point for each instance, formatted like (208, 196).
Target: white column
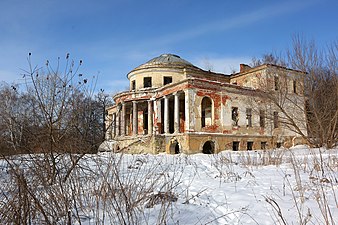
(176, 113)
(189, 111)
(123, 120)
(118, 129)
(158, 116)
(135, 127)
(150, 117)
(166, 114)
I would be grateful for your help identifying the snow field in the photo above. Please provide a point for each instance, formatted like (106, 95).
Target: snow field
(288, 186)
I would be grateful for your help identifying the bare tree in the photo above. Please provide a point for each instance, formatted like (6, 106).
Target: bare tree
(320, 86)
(269, 58)
(104, 102)
(281, 107)
(56, 111)
(55, 115)
(305, 97)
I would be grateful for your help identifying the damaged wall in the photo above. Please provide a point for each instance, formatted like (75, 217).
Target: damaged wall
(206, 110)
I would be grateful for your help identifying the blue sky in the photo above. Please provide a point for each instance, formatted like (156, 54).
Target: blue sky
(113, 37)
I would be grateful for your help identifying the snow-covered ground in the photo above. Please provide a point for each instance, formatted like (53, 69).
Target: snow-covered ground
(289, 186)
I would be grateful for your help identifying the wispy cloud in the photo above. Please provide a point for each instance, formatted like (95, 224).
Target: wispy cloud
(241, 20)
(117, 85)
(32, 27)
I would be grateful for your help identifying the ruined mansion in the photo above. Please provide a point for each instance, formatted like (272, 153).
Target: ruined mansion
(173, 106)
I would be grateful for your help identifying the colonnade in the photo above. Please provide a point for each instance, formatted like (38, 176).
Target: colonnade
(118, 124)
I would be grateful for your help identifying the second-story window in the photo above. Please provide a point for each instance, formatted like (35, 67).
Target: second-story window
(262, 118)
(167, 80)
(133, 85)
(206, 117)
(234, 116)
(147, 82)
(249, 117)
(275, 120)
(294, 84)
(276, 80)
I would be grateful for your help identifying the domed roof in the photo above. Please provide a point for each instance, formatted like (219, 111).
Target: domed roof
(166, 60)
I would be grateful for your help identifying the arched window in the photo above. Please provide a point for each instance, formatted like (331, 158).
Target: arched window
(206, 117)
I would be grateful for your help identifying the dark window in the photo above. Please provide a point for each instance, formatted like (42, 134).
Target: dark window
(294, 87)
(263, 145)
(276, 83)
(147, 82)
(133, 85)
(278, 144)
(249, 145)
(262, 118)
(167, 80)
(248, 117)
(145, 121)
(234, 116)
(235, 145)
(275, 119)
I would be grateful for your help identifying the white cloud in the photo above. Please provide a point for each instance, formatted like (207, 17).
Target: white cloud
(117, 85)
(241, 20)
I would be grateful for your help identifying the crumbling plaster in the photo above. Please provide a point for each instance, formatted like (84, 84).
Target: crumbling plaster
(184, 98)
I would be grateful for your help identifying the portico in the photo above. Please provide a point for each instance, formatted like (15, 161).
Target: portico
(163, 115)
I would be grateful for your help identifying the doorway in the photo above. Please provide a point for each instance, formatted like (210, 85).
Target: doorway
(208, 147)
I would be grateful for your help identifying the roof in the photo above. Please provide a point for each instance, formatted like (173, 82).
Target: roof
(165, 60)
(250, 70)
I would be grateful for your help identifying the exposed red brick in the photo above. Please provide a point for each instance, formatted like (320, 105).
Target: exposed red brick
(182, 125)
(261, 131)
(212, 128)
(224, 99)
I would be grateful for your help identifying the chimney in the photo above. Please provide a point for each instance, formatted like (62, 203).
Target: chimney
(243, 67)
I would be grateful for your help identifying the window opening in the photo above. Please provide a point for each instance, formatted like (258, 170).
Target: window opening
(249, 145)
(278, 144)
(276, 79)
(249, 117)
(263, 145)
(177, 148)
(145, 121)
(167, 80)
(294, 86)
(275, 119)
(147, 82)
(235, 145)
(206, 118)
(262, 118)
(133, 85)
(234, 116)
